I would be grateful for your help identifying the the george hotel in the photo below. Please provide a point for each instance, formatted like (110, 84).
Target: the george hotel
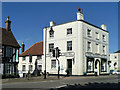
(84, 47)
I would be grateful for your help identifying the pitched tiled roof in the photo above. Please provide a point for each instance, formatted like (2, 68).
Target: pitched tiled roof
(35, 49)
(117, 51)
(8, 38)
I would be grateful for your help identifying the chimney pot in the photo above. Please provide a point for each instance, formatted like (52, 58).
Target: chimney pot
(52, 23)
(23, 47)
(104, 27)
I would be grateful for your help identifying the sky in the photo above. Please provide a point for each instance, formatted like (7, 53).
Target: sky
(29, 18)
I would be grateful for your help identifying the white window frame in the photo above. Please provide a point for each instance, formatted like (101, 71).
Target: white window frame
(24, 68)
(90, 65)
(89, 33)
(30, 67)
(97, 48)
(104, 38)
(39, 67)
(69, 31)
(89, 48)
(51, 34)
(39, 57)
(97, 36)
(23, 58)
(51, 48)
(104, 50)
(69, 45)
(53, 64)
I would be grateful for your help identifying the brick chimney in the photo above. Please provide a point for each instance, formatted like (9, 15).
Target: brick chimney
(7, 24)
(23, 47)
(80, 15)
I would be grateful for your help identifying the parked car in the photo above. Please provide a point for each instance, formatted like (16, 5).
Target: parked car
(116, 72)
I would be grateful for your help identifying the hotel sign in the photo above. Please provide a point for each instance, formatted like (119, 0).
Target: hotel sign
(95, 55)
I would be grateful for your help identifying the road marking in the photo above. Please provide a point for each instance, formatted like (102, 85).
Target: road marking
(61, 86)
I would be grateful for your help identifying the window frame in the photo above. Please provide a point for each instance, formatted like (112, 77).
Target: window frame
(97, 48)
(104, 66)
(51, 34)
(69, 31)
(92, 66)
(53, 64)
(23, 58)
(39, 67)
(9, 50)
(23, 68)
(89, 48)
(104, 50)
(97, 35)
(31, 68)
(103, 38)
(39, 57)
(89, 33)
(69, 46)
(50, 49)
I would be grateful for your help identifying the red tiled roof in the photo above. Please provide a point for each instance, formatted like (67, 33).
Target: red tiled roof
(117, 51)
(35, 49)
(8, 38)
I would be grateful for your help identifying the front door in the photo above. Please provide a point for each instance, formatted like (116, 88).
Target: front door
(69, 66)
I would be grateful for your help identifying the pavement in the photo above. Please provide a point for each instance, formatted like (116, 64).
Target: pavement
(31, 79)
(107, 81)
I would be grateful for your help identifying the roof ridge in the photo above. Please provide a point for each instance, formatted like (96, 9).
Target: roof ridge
(30, 47)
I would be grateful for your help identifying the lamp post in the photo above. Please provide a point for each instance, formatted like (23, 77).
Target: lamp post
(45, 51)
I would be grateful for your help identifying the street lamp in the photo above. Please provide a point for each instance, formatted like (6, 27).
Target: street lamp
(45, 51)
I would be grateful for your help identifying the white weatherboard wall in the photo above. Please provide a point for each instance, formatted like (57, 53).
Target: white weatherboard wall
(79, 46)
(27, 63)
(114, 58)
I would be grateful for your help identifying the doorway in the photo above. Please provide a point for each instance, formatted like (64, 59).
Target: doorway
(69, 66)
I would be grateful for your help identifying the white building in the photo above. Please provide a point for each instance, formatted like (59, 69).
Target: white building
(25, 65)
(115, 60)
(83, 45)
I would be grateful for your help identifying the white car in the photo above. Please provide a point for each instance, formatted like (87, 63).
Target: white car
(116, 72)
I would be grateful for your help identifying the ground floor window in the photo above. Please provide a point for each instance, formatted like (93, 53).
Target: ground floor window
(30, 67)
(53, 64)
(23, 67)
(40, 67)
(8, 68)
(90, 64)
(103, 65)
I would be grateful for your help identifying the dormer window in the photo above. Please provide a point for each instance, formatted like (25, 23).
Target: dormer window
(51, 32)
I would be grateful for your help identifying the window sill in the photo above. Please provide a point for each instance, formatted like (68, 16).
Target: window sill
(69, 35)
(69, 51)
(90, 36)
(51, 37)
